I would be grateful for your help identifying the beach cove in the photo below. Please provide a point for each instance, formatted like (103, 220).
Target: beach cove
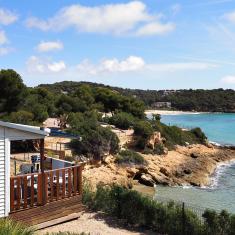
(220, 192)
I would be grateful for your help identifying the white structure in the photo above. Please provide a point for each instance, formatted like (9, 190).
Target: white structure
(8, 133)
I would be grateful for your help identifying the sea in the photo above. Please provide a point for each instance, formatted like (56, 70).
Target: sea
(220, 194)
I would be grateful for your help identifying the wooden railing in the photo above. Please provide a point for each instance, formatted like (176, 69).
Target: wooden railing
(32, 190)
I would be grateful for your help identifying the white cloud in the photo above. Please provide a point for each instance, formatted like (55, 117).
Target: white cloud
(5, 50)
(7, 17)
(42, 65)
(135, 64)
(56, 66)
(230, 17)
(155, 28)
(116, 19)
(230, 79)
(130, 64)
(3, 38)
(50, 46)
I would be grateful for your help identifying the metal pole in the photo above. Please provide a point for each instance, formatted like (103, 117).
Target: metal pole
(183, 219)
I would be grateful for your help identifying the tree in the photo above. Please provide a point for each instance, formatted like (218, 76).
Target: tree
(12, 91)
(96, 141)
(122, 120)
(23, 117)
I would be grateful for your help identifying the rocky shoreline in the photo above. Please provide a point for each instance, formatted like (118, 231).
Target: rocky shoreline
(191, 165)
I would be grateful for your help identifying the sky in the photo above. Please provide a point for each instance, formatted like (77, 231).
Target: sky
(151, 44)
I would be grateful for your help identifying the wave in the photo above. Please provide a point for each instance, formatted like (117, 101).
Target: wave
(220, 171)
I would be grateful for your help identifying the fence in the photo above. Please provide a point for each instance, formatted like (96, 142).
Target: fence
(32, 190)
(186, 208)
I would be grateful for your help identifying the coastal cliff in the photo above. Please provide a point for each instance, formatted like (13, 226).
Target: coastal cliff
(191, 165)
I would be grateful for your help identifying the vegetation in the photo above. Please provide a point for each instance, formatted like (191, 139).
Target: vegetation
(96, 141)
(217, 100)
(174, 135)
(130, 157)
(171, 219)
(9, 227)
(122, 120)
(80, 105)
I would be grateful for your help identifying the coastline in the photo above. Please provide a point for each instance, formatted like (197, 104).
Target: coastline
(186, 166)
(171, 112)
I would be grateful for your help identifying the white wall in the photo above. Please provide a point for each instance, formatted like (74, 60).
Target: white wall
(6, 135)
(2, 177)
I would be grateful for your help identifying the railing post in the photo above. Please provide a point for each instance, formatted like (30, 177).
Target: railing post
(12, 194)
(40, 189)
(42, 156)
(80, 180)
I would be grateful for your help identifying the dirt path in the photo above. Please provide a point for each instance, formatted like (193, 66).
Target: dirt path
(95, 224)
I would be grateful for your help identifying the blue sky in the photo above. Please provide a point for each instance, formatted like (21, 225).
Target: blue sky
(151, 44)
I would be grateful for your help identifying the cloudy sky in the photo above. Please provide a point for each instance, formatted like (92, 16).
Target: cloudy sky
(148, 44)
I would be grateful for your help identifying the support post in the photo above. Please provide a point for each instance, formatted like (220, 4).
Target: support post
(42, 167)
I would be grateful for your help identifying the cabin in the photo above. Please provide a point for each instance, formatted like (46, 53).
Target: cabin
(36, 197)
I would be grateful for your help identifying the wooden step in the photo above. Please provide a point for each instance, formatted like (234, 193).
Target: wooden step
(50, 211)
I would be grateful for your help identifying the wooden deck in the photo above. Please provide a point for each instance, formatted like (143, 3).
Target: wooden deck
(50, 211)
(40, 197)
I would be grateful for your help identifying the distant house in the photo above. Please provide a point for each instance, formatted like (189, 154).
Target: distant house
(53, 123)
(157, 105)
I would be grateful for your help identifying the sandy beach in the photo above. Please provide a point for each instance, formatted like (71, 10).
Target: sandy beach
(170, 112)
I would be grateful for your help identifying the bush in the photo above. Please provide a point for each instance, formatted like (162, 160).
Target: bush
(96, 140)
(199, 134)
(138, 210)
(9, 227)
(143, 129)
(176, 136)
(122, 120)
(130, 157)
(159, 149)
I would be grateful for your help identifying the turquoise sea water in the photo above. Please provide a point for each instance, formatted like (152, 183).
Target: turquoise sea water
(219, 128)
(220, 194)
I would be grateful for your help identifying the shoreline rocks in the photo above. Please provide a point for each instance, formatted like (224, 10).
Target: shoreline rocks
(191, 165)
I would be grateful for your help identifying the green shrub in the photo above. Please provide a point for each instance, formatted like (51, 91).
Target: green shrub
(96, 140)
(199, 134)
(9, 227)
(136, 209)
(147, 151)
(170, 218)
(122, 120)
(143, 128)
(130, 157)
(158, 149)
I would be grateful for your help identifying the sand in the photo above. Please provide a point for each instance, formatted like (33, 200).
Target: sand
(95, 224)
(170, 112)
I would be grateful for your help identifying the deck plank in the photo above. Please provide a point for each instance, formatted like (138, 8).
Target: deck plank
(50, 211)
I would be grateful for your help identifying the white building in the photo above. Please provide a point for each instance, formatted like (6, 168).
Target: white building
(8, 133)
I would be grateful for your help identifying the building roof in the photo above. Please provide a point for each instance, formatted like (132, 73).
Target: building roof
(59, 133)
(26, 128)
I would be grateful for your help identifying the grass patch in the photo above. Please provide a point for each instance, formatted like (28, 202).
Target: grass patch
(9, 227)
